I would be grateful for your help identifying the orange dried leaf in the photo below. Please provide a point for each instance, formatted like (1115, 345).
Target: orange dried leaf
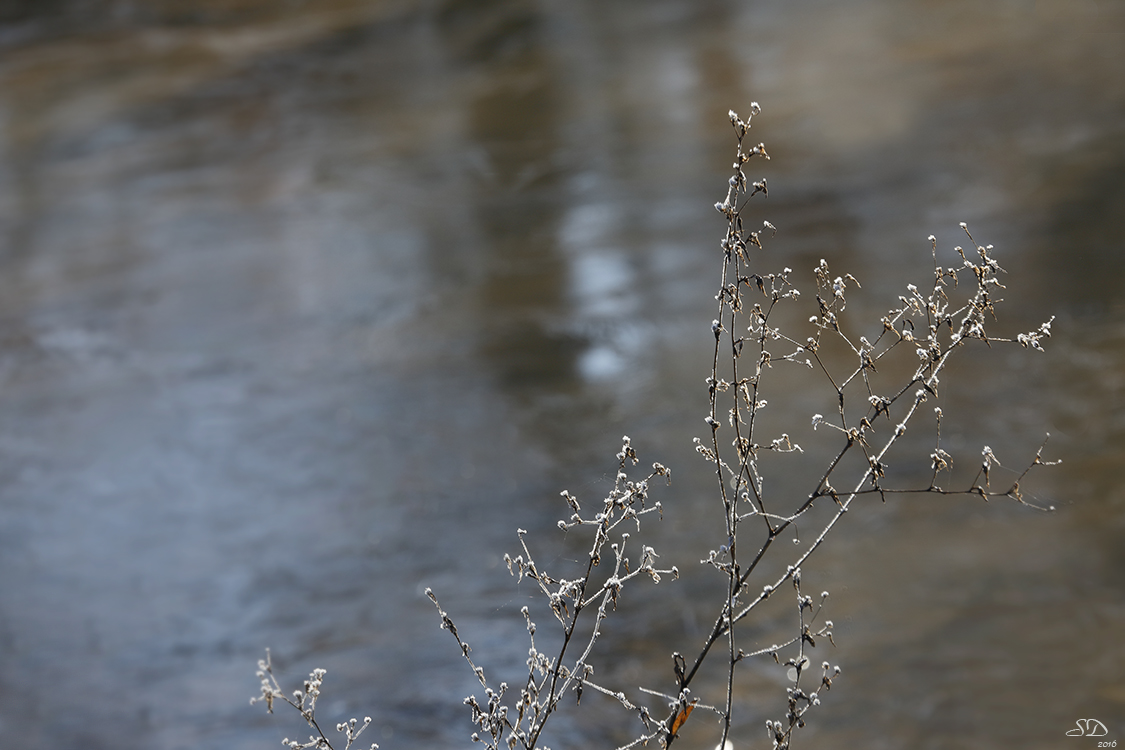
(679, 720)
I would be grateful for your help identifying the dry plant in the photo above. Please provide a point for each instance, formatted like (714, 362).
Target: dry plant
(918, 336)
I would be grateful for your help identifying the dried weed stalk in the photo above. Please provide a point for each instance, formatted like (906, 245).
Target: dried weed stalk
(305, 702)
(926, 329)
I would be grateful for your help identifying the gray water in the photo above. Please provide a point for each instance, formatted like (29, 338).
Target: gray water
(307, 306)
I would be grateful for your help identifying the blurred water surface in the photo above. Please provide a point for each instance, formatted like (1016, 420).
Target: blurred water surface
(305, 306)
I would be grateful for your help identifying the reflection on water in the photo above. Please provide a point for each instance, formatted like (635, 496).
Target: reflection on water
(512, 117)
(306, 306)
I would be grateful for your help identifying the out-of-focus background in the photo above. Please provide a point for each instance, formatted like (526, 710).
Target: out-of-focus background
(308, 305)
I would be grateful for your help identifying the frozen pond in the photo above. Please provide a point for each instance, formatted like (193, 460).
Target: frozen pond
(306, 306)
